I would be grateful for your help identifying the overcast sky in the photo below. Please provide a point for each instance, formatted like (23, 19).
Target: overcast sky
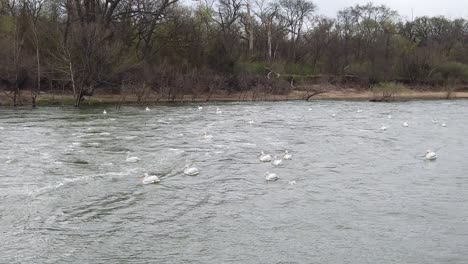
(448, 8)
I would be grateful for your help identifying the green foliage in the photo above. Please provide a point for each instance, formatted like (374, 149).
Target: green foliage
(298, 69)
(251, 67)
(7, 25)
(453, 70)
(359, 69)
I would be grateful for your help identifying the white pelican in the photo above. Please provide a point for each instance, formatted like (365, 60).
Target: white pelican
(265, 157)
(131, 159)
(218, 111)
(200, 107)
(191, 171)
(251, 122)
(434, 121)
(444, 125)
(286, 155)
(359, 111)
(333, 115)
(271, 177)
(310, 109)
(405, 124)
(430, 155)
(292, 182)
(104, 112)
(383, 127)
(150, 179)
(389, 116)
(147, 109)
(207, 136)
(277, 161)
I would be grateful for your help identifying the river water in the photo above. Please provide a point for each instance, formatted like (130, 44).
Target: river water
(362, 195)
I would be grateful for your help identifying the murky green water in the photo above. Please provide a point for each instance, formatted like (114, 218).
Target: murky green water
(363, 195)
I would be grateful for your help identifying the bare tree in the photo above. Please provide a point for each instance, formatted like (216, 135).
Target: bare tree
(295, 12)
(33, 8)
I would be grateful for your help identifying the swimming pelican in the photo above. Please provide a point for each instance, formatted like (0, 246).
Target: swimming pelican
(405, 124)
(207, 136)
(277, 161)
(292, 182)
(389, 116)
(191, 171)
(150, 179)
(131, 159)
(218, 111)
(104, 112)
(271, 177)
(147, 109)
(359, 111)
(286, 155)
(444, 125)
(265, 157)
(383, 127)
(434, 121)
(310, 109)
(251, 122)
(333, 115)
(200, 107)
(430, 155)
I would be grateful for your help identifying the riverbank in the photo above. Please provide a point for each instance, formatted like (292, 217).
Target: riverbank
(47, 99)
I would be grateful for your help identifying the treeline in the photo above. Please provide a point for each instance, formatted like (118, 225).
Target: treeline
(131, 46)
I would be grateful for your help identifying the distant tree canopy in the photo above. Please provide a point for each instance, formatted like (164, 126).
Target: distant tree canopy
(86, 45)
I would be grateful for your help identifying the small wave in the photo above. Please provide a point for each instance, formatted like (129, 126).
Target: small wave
(67, 181)
(56, 185)
(129, 137)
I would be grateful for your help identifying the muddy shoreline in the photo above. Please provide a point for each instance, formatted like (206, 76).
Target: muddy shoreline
(50, 99)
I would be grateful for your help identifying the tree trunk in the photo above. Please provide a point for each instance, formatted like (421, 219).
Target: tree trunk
(269, 41)
(251, 33)
(38, 90)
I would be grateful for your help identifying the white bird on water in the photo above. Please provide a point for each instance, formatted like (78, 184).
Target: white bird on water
(430, 155)
(271, 177)
(389, 116)
(292, 182)
(286, 155)
(218, 111)
(131, 159)
(405, 124)
(277, 161)
(150, 179)
(207, 136)
(265, 157)
(200, 108)
(383, 127)
(359, 111)
(251, 122)
(333, 115)
(147, 109)
(434, 121)
(104, 112)
(444, 125)
(310, 109)
(191, 171)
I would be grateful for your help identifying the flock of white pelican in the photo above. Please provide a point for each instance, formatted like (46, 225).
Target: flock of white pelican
(276, 162)
(263, 157)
